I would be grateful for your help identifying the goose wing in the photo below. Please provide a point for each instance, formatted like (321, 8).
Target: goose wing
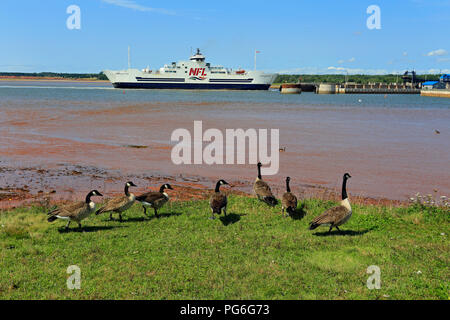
(331, 216)
(262, 189)
(289, 200)
(151, 197)
(217, 202)
(114, 204)
(69, 210)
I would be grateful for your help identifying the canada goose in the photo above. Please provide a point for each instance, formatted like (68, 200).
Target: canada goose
(154, 199)
(336, 216)
(218, 200)
(75, 211)
(119, 204)
(262, 189)
(288, 201)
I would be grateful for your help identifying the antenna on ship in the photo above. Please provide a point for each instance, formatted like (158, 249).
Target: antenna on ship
(129, 58)
(256, 52)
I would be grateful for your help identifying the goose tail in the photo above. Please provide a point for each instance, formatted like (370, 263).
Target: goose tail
(290, 210)
(272, 201)
(52, 218)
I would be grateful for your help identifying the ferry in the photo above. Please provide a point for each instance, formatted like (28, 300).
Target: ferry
(193, 74)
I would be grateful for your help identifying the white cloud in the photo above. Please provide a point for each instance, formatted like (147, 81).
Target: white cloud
(349, 60)
(130, 4)
(439, 52)
(405, 54)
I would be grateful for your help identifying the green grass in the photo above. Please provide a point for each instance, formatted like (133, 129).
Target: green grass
(253, 254)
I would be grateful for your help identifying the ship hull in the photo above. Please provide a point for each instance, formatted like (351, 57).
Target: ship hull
(191, 86)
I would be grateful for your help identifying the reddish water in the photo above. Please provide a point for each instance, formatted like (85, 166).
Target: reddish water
(390, 152)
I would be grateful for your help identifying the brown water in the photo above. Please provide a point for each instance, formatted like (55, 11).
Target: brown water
(388, 144)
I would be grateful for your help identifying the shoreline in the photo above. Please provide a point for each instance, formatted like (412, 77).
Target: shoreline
(67, 183)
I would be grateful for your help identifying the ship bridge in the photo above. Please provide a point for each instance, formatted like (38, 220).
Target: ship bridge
(198, 56)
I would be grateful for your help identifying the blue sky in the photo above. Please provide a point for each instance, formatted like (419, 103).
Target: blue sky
(294, 36)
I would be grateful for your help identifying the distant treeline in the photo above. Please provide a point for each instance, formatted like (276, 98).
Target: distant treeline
(282, 78)
(98, 76)
(357, 78)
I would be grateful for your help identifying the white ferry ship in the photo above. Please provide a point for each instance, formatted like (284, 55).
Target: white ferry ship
(192, 74)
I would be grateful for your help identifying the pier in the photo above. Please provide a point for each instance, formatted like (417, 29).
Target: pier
(352, 88)
(371, 88)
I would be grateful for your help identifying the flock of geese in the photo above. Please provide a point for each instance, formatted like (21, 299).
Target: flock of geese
(333, 217)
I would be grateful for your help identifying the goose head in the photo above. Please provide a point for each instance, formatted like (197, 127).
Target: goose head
(222, 182)
(130, 184)
(165, 186)
(95, 193)
(347, 176)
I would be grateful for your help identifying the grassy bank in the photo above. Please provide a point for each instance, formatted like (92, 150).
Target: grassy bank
(254, 253)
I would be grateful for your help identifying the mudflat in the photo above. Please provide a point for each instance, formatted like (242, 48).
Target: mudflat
(71, 137)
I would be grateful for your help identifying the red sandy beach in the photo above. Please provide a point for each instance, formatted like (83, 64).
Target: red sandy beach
(71, 146)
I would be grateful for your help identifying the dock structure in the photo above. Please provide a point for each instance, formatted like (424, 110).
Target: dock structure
(290, 88)
(440, 93)
(371, 88)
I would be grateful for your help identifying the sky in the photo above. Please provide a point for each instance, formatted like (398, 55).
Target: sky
(293, 36)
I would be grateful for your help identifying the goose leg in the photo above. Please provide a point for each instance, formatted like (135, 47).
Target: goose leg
(145, 211)
(120, 217)
(225, 211)
(110, 217)
(212, 215)
(79, 225)
(67, 225)
(338, 229)
(329, 231)
(156, 213)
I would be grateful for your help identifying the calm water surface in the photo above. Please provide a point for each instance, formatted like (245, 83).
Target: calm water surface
(388, 143)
